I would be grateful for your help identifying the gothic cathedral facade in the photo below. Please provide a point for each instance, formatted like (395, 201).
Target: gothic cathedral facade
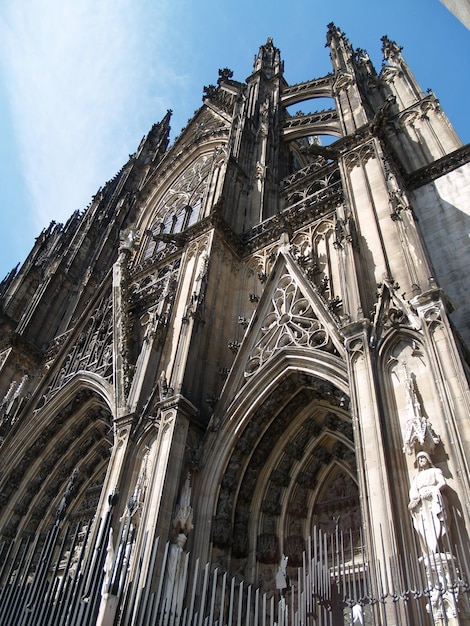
(250, 351)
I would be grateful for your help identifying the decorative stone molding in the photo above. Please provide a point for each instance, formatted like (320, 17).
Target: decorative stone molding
(392, 311)
(92, 350)
(439, 168)
(418, 433)
(429, 304)
(359, 156)
(291, 322)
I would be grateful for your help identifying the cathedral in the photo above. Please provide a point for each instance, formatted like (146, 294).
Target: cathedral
(234, 389)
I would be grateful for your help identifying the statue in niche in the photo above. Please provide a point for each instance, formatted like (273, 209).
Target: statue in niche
(428, 510)
(282, 580)
(295, 546)
(267, 582)
(427, 504)
(183, 521)
(174, 574)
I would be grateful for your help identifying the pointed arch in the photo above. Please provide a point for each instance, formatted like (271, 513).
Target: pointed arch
(276, 443)
(70, 435)
(291, 313)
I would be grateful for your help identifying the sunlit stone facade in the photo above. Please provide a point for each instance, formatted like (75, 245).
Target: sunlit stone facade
(241, 346)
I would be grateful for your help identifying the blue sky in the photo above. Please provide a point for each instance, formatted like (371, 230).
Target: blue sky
(81, 81)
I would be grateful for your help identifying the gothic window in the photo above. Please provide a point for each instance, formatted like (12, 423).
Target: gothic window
(157, 229)
(176, 222)
(192, 213)
(180, 206)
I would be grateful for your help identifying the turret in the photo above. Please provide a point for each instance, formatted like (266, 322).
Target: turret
(349, 101)
(268, 60)
(256, 145)
(397, 73)
(418, 129)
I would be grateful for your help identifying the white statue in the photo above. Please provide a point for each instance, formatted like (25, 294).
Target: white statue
(282, 580)
(183, 520)
(175, 572)
(108, 564)
(427, 505)
(175, 579)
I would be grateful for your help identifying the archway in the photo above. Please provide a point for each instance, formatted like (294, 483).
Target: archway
(288, 468)
(66, 445)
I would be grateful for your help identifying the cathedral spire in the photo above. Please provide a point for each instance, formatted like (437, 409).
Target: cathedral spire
(347, 75)
(154, 144)
(391, 51)
(268, 60)
(394, 64)
(340, 48)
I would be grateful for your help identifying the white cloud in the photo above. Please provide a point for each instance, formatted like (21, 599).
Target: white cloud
(82, 77)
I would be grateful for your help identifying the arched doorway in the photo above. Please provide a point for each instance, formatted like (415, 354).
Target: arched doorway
(287, 469)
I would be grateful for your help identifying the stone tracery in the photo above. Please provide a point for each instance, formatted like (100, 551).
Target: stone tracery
(291, 322)
(92, 350)
(180, 206)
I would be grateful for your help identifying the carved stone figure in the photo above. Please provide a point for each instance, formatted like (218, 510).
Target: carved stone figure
(183, 520)
(427, 505)
(174, 586)
(282, 581)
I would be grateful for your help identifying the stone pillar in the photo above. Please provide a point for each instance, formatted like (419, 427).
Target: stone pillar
(165, 465)
(374, 482)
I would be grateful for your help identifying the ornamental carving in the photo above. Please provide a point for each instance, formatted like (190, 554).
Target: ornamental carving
(315, 250)
(91, 352)
(11, 405)
(154, 287)
(338, 507)
(267, 549)
(271, 505)
(294, 547)
(240, 546)
(418, 433)
(326, 182)
(359, 157)
(291, 322)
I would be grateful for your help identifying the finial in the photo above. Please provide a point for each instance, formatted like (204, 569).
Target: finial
(390, 48)
(268, 59)
(224, 75)
(333, 32)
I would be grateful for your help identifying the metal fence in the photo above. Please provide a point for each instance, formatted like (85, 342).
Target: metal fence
(64, 578)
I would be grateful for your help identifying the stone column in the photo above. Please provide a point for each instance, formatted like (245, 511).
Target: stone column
(374, 481)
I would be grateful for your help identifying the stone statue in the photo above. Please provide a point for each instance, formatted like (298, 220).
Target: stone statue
(427, 505)
(174, 555)
(183, 520)
(282, 580)
(108, 564)
(174, 573)
(174, 583)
